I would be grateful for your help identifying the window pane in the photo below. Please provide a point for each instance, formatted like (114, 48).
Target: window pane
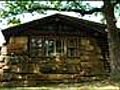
(36, 46)
(49, 47)
(72, 47)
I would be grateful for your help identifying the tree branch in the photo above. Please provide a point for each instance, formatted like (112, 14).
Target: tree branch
(81, 11)
(115, 3)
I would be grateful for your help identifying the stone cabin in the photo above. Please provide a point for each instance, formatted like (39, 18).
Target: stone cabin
(53, 48)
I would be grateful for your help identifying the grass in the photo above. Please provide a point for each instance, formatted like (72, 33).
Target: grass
(105, 84)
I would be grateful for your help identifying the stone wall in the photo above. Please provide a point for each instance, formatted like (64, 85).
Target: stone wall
(17, 68)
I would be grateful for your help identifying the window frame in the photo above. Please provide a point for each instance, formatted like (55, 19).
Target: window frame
(64, 46)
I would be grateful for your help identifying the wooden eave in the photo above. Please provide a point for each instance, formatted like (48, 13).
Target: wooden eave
(89, 26)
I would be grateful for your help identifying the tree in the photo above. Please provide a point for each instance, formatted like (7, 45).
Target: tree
(107, 9)
(113, 38)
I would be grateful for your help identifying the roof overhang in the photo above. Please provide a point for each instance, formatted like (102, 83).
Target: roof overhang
(90, 26)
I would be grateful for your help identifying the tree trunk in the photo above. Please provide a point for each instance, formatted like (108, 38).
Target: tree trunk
(113, 39)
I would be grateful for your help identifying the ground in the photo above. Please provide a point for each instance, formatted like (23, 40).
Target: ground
(91, 85)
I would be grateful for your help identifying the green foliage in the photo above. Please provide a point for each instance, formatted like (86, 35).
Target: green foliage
(78, 5)
(14, 21)
(13, 8)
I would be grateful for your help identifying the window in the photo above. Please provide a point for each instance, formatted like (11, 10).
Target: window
(36, 46)
(72, 47)
(47, 46)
